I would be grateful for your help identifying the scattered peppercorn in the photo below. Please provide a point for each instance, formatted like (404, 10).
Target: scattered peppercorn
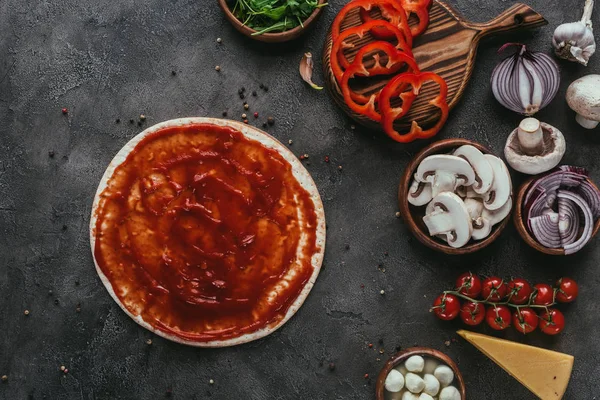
(326, 158)
(62, 368)
(255, 115)
(331, 366)
(149, 342)
(56, 301)
(225, 113)
(219, 40)
(381, 351)
(245, 121)
(265, 88)
(398, 348)
(217, 68)
(50, 292)
(76, 283)
(347, 247)
(382, 292)
(271, 120)
(261, 86)
(244, 116)
(240, 91)
(301, 157)
(242, 96)
(353, 127)
(264, 124)
(66, 371)
(142, 117)
(131, 121)
(139, 123)
(290, 141)
(65, 110)
(51, 154)
(118, 121)
(26, 312)
(362, 286)
(246, 106)
(366, 376)
(173, 72)
(370, 345)
(305, 155)
(169, 392)
(386, 254)
(339, 167)
(4, 378)
(243, 89)
(254, 93)
(212, 382)
(397, 214)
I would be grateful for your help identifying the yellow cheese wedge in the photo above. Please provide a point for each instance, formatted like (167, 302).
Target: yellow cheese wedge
(546, 373)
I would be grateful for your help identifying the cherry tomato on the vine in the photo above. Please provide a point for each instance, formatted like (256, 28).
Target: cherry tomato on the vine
(567, 290)
(446, 307)
(498, 317)
(525, 320)
(469, 285)
(472, 313)
(519, 291)
(552, 322)
(493, 289)
(543, 294)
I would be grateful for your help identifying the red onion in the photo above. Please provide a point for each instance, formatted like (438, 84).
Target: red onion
(525, 82)
(558, 205)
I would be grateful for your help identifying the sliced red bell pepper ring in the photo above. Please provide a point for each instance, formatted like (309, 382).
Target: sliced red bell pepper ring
(391, 10)
(396, 59)
(337, 59)
(419, 7)
(395, 88)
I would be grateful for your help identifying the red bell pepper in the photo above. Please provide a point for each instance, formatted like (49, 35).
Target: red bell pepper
(338, 60)
(418, 7)
(396, 59)
(396, 88)
(390, 9)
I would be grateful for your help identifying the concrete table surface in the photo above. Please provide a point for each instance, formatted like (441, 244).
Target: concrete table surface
(106, 59)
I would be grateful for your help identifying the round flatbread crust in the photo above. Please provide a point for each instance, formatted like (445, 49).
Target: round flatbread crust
(299, 172)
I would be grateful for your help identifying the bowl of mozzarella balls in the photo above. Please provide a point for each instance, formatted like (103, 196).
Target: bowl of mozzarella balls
(420, 373)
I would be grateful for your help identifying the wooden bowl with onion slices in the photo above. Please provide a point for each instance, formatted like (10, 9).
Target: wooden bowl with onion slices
(399, 358)
(276, 37)
(413, 215)
(519, 218)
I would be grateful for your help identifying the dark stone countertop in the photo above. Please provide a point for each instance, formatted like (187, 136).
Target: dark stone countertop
(106, 59)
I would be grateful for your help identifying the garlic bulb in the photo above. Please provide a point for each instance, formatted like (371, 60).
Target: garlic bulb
(574, 41)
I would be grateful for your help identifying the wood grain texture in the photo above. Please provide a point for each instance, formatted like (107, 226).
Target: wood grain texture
(413, 216)
(448, 47)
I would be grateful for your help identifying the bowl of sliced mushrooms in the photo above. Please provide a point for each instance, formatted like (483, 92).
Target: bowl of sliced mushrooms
(455, 196)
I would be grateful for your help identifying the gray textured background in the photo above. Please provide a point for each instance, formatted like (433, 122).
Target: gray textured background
(106, 59)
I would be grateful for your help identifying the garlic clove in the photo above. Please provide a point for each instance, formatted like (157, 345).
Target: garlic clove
(306, 70)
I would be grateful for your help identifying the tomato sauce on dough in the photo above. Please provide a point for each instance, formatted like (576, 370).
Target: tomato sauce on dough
(205, 233)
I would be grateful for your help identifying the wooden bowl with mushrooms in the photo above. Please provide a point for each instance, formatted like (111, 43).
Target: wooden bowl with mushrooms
(455, 196)
(420, 361)
(274, 37)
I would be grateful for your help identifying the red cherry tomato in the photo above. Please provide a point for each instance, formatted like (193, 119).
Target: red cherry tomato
(469, 285)
(543, 294)
(472, 313)
(519, 291)
(446, 307)
(567, 290)
(525, 320)
(493, 289)
(552, 322)
(498, 317)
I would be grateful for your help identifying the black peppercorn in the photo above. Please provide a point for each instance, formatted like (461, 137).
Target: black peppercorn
(254, 93)
(118, 120)
(261, 86)
(131, 121)
(51, 154)
(331, 366)
(173, 73)
(224, 113)
(271, 120)
(56, 301)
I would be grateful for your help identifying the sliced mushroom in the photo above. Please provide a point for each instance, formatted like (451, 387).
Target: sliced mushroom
(419, 193)
(501, 189)
(483, 226)
(583, 96)
(474, 207)
(445, 173)
(447, 217)
(534, 147)
(484, 176)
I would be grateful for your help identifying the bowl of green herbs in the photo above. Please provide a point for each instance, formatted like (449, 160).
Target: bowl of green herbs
(272, 20)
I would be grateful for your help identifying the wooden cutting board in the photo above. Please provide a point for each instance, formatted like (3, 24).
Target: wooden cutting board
(448, 48)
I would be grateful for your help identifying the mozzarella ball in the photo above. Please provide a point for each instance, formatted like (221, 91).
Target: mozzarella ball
(432, 385)
(414, 382)
(425, 396)
(415, 364)
(409, 396)
(394, 381)
(450, 393)
(430, 365)
(444, 374)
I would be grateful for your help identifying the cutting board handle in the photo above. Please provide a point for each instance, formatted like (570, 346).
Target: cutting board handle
(519, 16)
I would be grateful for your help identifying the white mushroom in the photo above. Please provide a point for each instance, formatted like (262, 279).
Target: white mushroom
(534, 147)
(583, 96)
(432, 385)
(450, 393)
(414, 383)
(394, 382)
(430, 365)
(501, 188)
(425, 396)
(415, 364)
(445, 173)
(483, 225)
(409, 396)
(484, 175)
(419, 193)
(447, 217)
(444, 374)
(474, 207)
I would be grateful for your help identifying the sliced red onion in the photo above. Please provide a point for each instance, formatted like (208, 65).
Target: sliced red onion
(545, 230)
(525, 82)
(568, 221)
(588, 227)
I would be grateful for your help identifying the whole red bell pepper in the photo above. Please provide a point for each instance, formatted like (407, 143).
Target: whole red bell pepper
(396, 88)
(396, 59)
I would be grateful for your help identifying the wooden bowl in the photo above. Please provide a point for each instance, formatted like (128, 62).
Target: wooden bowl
(402, 356)
(413, 216)
(270, 37)
(519, 220)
